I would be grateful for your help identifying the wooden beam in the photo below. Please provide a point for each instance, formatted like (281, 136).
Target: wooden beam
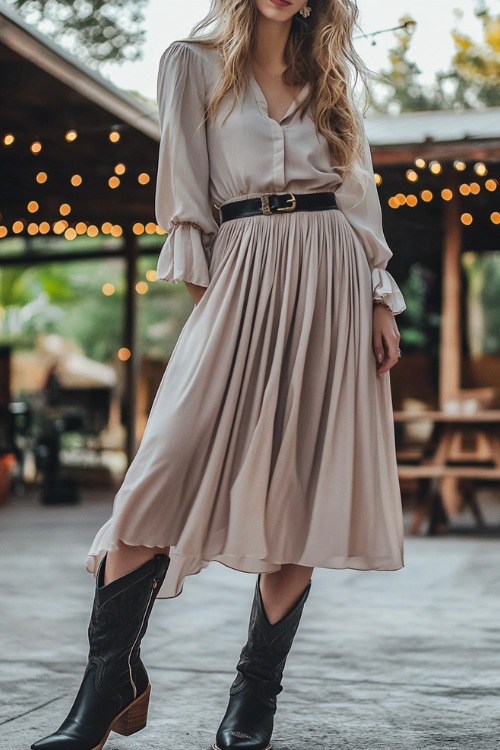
(487, 150)
(130, 342)
(450, 351)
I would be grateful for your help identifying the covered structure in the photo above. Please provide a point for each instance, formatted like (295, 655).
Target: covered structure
(439, 184)
(78, 160)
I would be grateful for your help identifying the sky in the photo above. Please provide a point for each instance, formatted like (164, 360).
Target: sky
(432, 47)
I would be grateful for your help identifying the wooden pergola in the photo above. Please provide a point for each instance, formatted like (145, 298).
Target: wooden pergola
(78, 159)
(439, 175)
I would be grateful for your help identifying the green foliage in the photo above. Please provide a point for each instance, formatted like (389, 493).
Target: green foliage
(94, 30)
(419, 328)
(68, 299)
(473, 79)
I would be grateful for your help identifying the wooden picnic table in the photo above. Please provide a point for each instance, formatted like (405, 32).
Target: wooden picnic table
(446, 469)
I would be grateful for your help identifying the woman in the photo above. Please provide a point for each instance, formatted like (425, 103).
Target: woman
(270, 443)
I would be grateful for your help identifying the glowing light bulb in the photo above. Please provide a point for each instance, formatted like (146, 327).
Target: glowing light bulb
(151, 275)
(426, 196)
(447, 194)
(70, 234)
(44, 227)
(76, 180)
(480, 169)
(64, 209)
(435, 167)
(411, 175)
(393, 202)
(138, 228)
(116, 231)
(420, 163)
(108, 289)
(378, 178)
(141, 287)
(17, 227)
(495, 217)
(114, 182)
(467, 219)
(36, 147)
(71, 136)
(33, 207)
(114, 136)
(150, 227)
(92, 231)
(8, 139)
(120, 169)
(143, 178)
(459, 165)
(41, 177)
(491, 185)
(464, 189)
(124, 354)
(411, 200)
(81, 228)
(475, 188)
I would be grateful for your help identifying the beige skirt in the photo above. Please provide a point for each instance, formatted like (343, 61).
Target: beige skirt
(271, 438)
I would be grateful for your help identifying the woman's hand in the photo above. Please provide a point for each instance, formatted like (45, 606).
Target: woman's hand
(195, 291)
(385, 338)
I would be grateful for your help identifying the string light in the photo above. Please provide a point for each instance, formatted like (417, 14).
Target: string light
(76, 180)
(36, 147)
(3, 231)
(33, 207)
(71, 136)
(160, 230)
(411, 175)
(411, 200)
(495, 217)
(466, 219)
(138, 228)
(426, 196)
(114, 136)
(44, 227)
(114, 182)
(108, 289)
(460, 165)
(120, 169)
(143, 178)
(150, 227)
(81, 228)
(491, 185)
(141, 287)
(464, 189)
(435, 167)
(480, 169)
(116, 231)
(64, 209)
(41, 178)
(32, 228)
(59, 226)
(447, 194)
(70, 234)
(420, 163)
(475, 188)
(378, 179)
(393, 202)
(124, 354)
(17, 227)
(151, 275)
(92, 231)
(8, 139)
(106, 227)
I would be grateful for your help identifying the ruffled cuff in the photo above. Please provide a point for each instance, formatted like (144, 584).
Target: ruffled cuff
(386, 290)
(182, 257)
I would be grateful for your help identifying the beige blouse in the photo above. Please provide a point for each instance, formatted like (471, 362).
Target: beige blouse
(249, 153)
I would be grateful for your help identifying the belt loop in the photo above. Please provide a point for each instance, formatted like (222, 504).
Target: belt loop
(264, 199)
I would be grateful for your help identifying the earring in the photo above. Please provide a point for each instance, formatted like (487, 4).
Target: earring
(305, 11)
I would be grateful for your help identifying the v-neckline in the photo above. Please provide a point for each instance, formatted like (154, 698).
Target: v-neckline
(262, 101)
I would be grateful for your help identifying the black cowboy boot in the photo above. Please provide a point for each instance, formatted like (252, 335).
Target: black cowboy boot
(114, 693)
(248, 722)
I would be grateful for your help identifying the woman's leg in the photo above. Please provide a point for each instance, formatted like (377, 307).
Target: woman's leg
(125, 559)
(280, 591)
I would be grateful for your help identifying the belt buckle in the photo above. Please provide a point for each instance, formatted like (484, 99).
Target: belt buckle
(286, 209)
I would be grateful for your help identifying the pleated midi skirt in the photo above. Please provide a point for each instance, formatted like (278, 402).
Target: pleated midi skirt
(271, 437)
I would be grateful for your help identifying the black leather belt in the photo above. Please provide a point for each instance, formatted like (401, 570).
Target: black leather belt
(274, 203)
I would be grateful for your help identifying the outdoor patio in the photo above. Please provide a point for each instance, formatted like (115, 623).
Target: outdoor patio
(405, 660)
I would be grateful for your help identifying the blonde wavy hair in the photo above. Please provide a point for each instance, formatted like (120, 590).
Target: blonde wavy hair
(319, 51)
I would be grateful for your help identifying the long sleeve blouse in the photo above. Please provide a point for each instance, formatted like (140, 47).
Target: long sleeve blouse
(245, 153)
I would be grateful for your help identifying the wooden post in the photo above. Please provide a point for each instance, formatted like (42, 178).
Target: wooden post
(450, 351)
(130, 342)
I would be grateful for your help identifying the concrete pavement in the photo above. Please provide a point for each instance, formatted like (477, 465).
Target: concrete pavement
(397, 661)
